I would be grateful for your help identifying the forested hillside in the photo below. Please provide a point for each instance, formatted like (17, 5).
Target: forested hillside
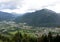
(42, 18)
(6, 16)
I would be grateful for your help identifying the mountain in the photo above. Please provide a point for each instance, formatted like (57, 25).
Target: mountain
(6, 16)
(43, 18)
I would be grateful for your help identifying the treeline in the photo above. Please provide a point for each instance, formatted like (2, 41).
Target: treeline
(18, 37)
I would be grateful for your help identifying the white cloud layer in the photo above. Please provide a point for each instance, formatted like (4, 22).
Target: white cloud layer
(23, 6)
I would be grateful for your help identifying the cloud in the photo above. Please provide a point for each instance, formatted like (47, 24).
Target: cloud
(5, 0)
(23, 6)
(55, 8)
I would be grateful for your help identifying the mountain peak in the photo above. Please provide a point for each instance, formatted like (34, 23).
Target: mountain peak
(46, 11)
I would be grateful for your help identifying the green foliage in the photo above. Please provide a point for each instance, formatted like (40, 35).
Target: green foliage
(19, 37)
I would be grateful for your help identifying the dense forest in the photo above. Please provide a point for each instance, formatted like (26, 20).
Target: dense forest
(19, 37)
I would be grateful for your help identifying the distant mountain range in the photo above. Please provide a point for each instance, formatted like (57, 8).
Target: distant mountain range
(6, 16)
(43, 18)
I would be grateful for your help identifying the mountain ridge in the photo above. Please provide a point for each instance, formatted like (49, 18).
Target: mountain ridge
(44, 18)
(6, 16)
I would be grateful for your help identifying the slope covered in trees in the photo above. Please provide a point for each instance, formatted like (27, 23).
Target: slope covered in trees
(43, 18)
(6, 16)
(19, 37)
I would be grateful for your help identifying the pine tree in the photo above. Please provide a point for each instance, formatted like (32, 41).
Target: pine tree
(57, 38)
(50, 37)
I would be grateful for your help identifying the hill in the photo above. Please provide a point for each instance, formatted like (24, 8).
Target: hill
(6, 16)
(43, 18)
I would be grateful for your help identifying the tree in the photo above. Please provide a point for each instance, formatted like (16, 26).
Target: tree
(17, 37)
(50, 37)
(57, 38)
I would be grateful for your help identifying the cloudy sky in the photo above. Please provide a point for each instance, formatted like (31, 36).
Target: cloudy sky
(23, 6)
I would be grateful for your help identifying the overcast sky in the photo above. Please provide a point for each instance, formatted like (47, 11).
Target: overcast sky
(23, 6)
